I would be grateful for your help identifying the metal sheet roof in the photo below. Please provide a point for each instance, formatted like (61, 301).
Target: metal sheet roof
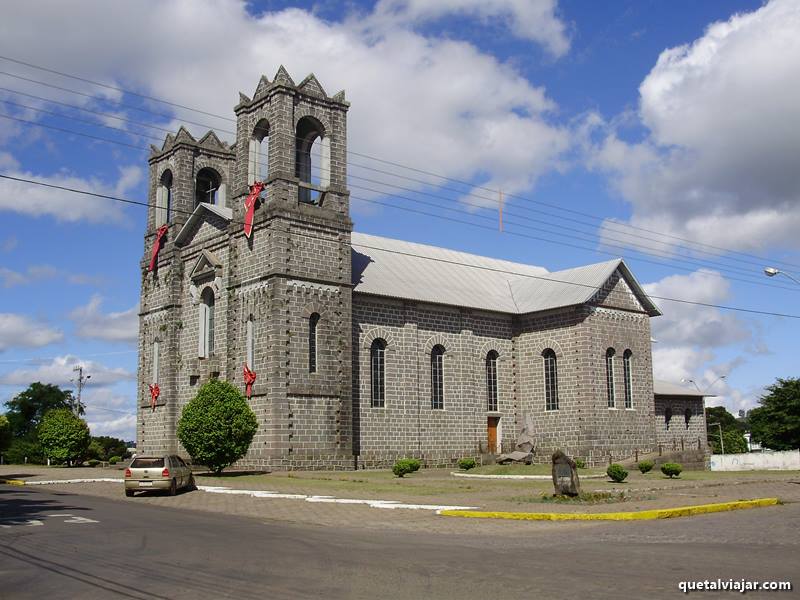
(198, 214)
(407, 270)
(666, 388)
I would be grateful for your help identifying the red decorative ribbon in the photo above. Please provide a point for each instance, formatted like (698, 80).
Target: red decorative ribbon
(155, 391)
(162, 231)
(249, 380)
(250, 207)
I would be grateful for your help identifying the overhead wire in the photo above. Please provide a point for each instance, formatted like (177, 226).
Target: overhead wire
(481, 267)
(606, 222)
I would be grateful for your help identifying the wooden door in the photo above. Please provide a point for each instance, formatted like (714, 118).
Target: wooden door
(492, 434)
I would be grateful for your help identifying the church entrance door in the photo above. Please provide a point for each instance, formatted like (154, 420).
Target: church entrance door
(492, 434)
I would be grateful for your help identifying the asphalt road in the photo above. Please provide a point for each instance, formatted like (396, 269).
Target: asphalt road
(58, 545)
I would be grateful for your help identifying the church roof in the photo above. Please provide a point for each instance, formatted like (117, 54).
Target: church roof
(666, 388)
(398, 269)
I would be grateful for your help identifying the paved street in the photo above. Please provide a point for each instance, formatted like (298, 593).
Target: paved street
(56, 544)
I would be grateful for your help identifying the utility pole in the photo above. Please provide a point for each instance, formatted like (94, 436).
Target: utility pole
(82, 379)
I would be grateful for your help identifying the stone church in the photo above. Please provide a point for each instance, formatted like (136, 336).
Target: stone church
(356, 350)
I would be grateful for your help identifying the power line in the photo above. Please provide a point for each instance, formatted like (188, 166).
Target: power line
(662, 262)
(611, 224)
(469, 192)
(528, 275)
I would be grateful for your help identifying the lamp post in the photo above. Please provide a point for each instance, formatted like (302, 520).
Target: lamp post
(693, 382)
(721, 441)
(772, 271)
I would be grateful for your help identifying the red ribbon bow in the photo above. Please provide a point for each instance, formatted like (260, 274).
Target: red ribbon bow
(249, 380)
(250, 207)
(155, 391)
(162, 231)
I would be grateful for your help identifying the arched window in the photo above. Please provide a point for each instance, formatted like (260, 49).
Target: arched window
(550, 379)
(667, 416)
(627, 372)
(249, 342)
(312, 159)
(156, 360)
(258, 159)
(491, 381)
(164, 199)
(437, 377)
(377, 373)
(687, 416)
(612, 396)
(313, 322)
(206, 324)
(208, 188)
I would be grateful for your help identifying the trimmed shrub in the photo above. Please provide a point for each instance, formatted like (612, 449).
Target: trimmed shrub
(646, 466)
(466, 464)
(93, 462)
(580, 463)
(217, 426)
(404, 466)
(671, 469)
(414, 463)
(63, 436)
(114, 460)
(616, 473)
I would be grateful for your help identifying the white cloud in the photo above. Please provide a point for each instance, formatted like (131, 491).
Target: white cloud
(437, 103)
(109, 412)
(719, 163)
(59, 371)
(9, 244)
(90, 322)
(18, 331)
(120, 426)
(35, 273)
(534, 20)
(692, 325)
(37, 201)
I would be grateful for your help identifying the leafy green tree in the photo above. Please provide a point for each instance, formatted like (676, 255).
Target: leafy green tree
(63, 436)
(22, 449)
(5, 433)
(732, 431)
(776, 422)
(103, 447)
(26, 409)
(217, 426)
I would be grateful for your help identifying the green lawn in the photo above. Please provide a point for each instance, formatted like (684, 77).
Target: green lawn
(516, 469)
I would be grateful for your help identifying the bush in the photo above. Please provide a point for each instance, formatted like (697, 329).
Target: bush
(217, 426)
(114, 460)
(646, 466)
(404, 466)
(5, 433)
(22, 448)
(616, 473)
(63, 436)
(671, 469)
(93, 462)
(466, 464)
(580, 463)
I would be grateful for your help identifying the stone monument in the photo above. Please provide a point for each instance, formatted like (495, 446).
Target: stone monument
(565, 475)
(523, 451)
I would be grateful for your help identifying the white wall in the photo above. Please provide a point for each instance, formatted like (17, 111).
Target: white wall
(783, 461)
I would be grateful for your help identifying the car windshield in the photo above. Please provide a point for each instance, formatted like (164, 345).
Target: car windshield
(144, 463)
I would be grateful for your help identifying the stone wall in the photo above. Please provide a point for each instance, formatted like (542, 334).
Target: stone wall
(680, 433)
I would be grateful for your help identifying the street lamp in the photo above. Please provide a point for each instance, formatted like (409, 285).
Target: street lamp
(693, 382)
(721, 441)
(772, 271)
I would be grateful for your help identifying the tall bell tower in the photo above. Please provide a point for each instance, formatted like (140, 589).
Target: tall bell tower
(290, 278)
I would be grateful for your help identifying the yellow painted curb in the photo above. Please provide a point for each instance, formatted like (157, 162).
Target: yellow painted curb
(12, 481)
(658, 513)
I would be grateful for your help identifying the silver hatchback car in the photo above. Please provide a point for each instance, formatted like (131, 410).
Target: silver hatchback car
(158, 473)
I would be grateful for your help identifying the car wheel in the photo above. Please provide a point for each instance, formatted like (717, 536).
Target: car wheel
(192, 485)
(173, 487)
(129, 493)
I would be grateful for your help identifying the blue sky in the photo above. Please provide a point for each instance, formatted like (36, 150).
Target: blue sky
(635, 129)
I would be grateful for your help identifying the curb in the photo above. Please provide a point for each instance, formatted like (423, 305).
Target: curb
(12, 481)
(659, 513)
(534, 477)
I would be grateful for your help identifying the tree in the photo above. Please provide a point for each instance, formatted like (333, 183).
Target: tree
(26, 409)
(217, 426)
(5, 433)
(63, 436)
(104, 447)
(732, 431)
(776, 422)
